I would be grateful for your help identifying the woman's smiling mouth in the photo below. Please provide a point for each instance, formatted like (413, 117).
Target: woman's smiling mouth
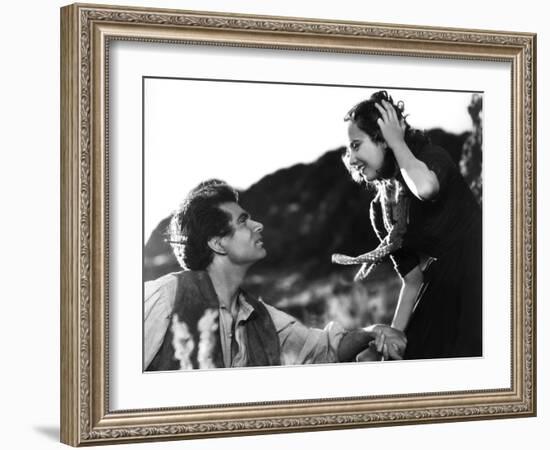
(360, 167)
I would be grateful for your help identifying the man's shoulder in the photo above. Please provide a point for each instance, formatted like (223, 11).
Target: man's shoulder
(280, 319)
(167, 281)
(166, 278)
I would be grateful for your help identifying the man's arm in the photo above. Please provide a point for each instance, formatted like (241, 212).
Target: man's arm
(353, 343)
(304, 345)
(158, 301)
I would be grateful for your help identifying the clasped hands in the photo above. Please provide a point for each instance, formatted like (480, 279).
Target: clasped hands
(389, 343)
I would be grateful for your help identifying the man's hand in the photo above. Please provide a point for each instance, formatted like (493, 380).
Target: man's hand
(369, 355)
(389, 342)
(353, 343)
(381, 339)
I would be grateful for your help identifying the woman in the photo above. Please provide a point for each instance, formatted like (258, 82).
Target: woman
(428, 221)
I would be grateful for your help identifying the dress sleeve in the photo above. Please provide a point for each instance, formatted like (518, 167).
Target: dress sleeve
(404, 261)
(304, 345)
(158, 302)
(439, 162)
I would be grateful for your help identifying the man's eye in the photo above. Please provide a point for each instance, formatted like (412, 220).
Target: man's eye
(354, 145)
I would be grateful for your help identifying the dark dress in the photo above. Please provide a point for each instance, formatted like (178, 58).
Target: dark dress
(447, 319)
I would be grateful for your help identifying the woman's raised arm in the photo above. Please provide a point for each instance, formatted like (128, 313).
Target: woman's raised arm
(421, 181)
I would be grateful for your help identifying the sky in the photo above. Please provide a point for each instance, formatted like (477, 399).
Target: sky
(242, 131)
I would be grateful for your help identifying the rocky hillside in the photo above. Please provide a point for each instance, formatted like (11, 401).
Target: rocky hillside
(309, 212)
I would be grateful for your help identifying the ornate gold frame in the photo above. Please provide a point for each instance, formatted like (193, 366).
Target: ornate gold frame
(85, 34)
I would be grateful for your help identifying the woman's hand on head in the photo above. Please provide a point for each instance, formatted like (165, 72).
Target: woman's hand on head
(393, 129)
(422, 181)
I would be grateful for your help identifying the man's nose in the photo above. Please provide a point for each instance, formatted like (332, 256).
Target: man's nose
(257, 226)
(352, 158)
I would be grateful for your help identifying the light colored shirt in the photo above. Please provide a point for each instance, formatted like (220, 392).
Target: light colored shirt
(298, 344)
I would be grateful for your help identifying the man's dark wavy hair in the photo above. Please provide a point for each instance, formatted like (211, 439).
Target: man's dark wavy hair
(197, 220)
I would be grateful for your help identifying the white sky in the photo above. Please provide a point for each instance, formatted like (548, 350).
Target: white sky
(239, 132)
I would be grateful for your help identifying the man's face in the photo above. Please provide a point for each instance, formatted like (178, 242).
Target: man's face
(245, 245)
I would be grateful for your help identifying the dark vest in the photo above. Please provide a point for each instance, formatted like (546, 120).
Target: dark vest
(195, 295)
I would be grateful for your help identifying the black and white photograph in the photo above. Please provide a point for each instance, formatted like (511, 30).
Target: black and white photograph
(276, 224)
(289, 223)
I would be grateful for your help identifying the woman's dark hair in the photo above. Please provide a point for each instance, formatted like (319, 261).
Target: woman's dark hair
(365, 115)
(197, 220)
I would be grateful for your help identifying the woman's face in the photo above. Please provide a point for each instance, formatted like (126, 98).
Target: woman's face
(365, 155)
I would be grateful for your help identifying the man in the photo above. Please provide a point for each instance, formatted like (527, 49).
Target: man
(201, 318)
